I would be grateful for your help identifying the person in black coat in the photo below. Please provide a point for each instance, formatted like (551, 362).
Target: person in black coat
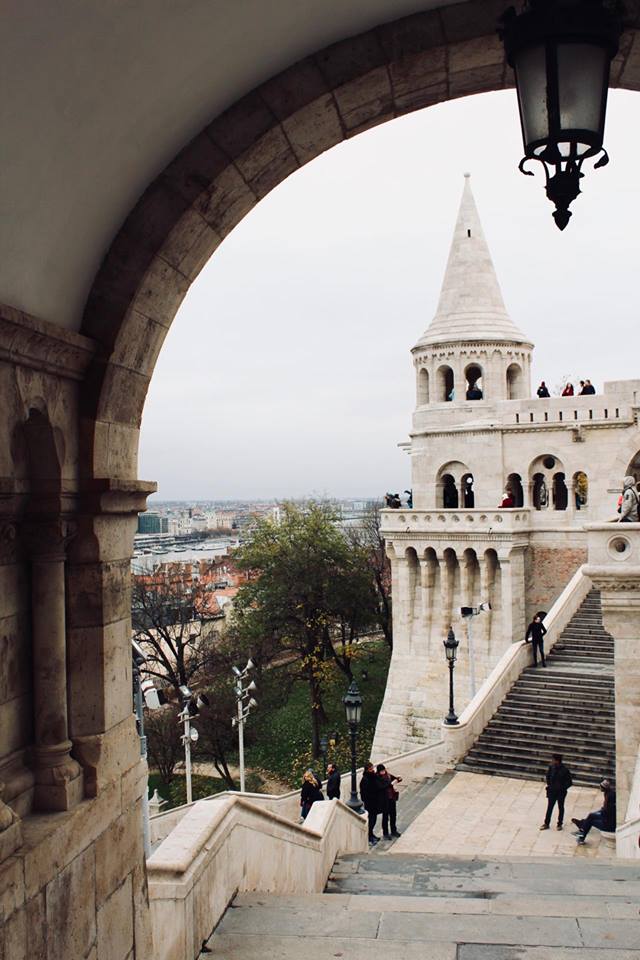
(535, 633)
(388, 798)
(309, 794)
(333, 782)
(369, 794)
(604, 818)
(558, 782)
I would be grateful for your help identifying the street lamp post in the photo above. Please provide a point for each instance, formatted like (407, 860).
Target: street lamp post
(450, 647)
(190, 710)
(561, 52)
(353, 709)
(468, 613)
(244, 705)
(324, 743)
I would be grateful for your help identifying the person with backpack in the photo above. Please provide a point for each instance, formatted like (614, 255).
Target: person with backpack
(629, 510)
(559, 780)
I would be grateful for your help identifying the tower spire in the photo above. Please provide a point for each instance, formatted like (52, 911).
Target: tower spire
(471, 305)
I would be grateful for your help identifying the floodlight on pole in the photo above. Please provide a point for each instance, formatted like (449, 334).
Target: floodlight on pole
(468, 613)
(244, 704)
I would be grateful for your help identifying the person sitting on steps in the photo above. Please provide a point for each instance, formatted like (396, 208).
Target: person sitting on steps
(603, 819)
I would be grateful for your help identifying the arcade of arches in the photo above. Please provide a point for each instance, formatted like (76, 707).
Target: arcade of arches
(72, 393)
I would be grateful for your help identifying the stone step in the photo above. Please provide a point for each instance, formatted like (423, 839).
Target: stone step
(525, 770)
(576, 755)
(535, 704)
(565, 690)
(545, 740)
(518, 727)
(537, 766)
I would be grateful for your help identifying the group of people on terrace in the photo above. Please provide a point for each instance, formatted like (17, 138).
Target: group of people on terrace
(586, 388)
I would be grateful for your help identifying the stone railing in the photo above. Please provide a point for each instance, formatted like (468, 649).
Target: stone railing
(467, 522)
(460, 738)
(416, 764)
(628, 833)
(231, 844)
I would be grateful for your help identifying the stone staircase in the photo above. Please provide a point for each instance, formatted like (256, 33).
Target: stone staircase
(567, 708)
(443, 908)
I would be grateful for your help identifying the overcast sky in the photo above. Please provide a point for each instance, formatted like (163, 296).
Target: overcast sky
(287, 370)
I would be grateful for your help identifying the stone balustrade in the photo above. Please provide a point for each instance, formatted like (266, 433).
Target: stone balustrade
(466, 522)
(231, 844)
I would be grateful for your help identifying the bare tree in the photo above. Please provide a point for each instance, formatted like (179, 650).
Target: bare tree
(163, 742)
(367, 535)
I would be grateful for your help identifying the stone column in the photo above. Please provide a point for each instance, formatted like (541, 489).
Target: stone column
(620, 596)
(427, 581)
(513, 601)
(402, 603)
(58, 777)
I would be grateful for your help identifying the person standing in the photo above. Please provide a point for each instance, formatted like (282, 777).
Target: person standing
(309, 794)
(603, 819)
(543, 391)
(568, 390)
(369, 794)
(588, 388)
(389, 801)
(535, 632)
(630, 506)
(559, 780)
(333, 782)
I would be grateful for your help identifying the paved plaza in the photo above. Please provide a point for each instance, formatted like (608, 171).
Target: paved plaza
(480, 815)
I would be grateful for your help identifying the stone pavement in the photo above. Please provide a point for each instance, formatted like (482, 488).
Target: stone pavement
(476, 814)
(444, 908)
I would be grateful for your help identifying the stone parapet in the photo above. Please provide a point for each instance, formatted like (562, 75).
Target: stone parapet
(464, 524)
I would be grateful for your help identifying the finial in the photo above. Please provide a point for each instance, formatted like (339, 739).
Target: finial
(467, 175)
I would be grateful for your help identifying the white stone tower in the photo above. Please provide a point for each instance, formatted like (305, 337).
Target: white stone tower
(477, 432)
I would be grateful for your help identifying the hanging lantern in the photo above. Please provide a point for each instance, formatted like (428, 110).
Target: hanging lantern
(561, 51)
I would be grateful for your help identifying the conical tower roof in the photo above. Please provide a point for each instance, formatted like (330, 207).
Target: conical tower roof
(471, 307)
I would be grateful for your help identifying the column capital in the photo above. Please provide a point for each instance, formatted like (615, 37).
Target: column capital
(47, 539)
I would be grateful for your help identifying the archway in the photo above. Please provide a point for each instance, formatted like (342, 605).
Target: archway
(450, 499)
(515, 382)
(445, 384)
(560, 494)
(467, 492)
(423, 387)
(474, 382)
(514, 487)
(580, 486)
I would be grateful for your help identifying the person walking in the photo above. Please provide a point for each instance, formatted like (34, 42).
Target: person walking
(369, 794)
(334, 782)
(630, 506)
(603, 819)
(543, 390)
(389, 801)
(535, 632)
(309, 793)
(559, 780)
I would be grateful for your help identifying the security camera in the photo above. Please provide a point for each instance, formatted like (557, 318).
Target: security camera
(236, 671)
(466, 611)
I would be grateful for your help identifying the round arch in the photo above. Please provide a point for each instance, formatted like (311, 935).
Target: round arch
(237, 159)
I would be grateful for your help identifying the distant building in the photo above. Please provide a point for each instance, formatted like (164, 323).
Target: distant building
(152, 523)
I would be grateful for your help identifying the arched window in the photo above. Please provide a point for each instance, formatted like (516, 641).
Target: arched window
(560, 492)
(445, 383)
(515, 382)
(467, 493)
(473, 377)
(449, 492)
(514, 487)
(540, 492)
(633, 470)
(423, 387)
(581, 489)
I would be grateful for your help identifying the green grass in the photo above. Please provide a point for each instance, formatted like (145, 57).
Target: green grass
(279, 730)
(176, 793)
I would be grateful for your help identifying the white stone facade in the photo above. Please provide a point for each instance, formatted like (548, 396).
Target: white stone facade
(561, 459)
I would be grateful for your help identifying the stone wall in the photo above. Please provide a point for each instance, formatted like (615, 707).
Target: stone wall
(548, 569)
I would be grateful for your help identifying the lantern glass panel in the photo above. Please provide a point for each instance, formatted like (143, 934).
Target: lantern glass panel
(531, 77)
(582, 76)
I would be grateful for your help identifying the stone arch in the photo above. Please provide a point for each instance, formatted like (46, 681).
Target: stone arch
(547, 483)
(515, 382)
(633, 468)
(514, 487)
(423, 386)
(445, 383)
(467, 491)
(474, 383)
(580, 488)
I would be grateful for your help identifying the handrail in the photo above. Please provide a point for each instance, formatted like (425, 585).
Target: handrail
(475, 716)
